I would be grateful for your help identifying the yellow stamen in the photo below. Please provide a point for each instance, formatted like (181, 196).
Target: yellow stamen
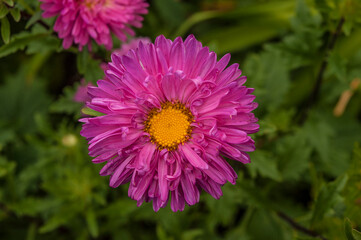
(169, 126)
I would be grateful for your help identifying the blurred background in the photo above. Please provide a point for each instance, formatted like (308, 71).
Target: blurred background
(304, 182)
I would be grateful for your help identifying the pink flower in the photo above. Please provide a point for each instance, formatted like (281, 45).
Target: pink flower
(81, 94)
(171, 112)
(80, 20)
(132, 44)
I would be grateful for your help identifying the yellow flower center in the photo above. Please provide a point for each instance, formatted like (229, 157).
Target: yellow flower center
(169, 126)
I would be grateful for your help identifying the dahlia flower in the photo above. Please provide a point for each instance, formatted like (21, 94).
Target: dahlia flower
(80, 20)
(171, 112)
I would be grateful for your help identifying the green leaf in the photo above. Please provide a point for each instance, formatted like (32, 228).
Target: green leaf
(268, 72)
(193, 234)
(6, 167)
(23, 101)
(348, 229)
(271, 228)
(327, 198)
(19, 42)
(265, 165)
(319, 134)
(10, 3)
(92, 223)
(91, 112)
(5, 30)
(81, 61)
(33, 19)
(352, 193)
(89, 67)
(161, 234)
(54, 222)
(171, 11)
(44, 45)
(294, 153)
(15, 12)
(194, 19)
(356, 234)
(351, 234)
(66, 104)
(31, 206)
(3, 10)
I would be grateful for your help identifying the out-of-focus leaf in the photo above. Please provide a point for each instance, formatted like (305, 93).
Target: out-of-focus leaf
(22, 102)
(351, 234)
(3, 10)
(55, 222)
(192, 234)
(319, 133)
(81, 61)
(268, 73)
(15, 12)
(294, 153)
(256, 197)
(66, 103)
(356, 234)
(33, 19)
(19, 42)
(328, 197)
(91, 112)
(348, 230)
(171, 11)
(32, 206)
(194, 19)
(272, 229)
(10, 3)
(352, 193)
(92, 223)
(6, 167)
(231, 39)
(5, 30)
(44, 45)
(264, 165)
(223, 210)
(6, 135)
(161, 234)
(89, 67)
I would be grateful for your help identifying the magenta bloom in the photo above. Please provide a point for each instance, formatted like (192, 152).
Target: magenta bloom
(81, 94)
(171, 110)
(80, 20)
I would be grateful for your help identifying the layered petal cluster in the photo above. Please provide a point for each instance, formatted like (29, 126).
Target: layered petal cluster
(171, 112)
(79, 21)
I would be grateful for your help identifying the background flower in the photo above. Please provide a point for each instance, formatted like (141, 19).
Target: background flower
(81, 94)
(171, 110)
(304, 177)
(83, 20)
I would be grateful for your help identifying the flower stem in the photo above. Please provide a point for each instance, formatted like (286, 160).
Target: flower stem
(316, 89)
(300, 228)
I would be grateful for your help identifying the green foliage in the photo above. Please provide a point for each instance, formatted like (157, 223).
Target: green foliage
(5, 30)
(351, 234)
(19, 42)
(327, 198)
(305, 173)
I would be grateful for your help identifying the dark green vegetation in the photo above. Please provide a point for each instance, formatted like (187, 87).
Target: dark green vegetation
(304, 181)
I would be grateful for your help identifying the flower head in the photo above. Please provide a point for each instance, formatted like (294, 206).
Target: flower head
(80, 20)
(81, 94)
(171, 112)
